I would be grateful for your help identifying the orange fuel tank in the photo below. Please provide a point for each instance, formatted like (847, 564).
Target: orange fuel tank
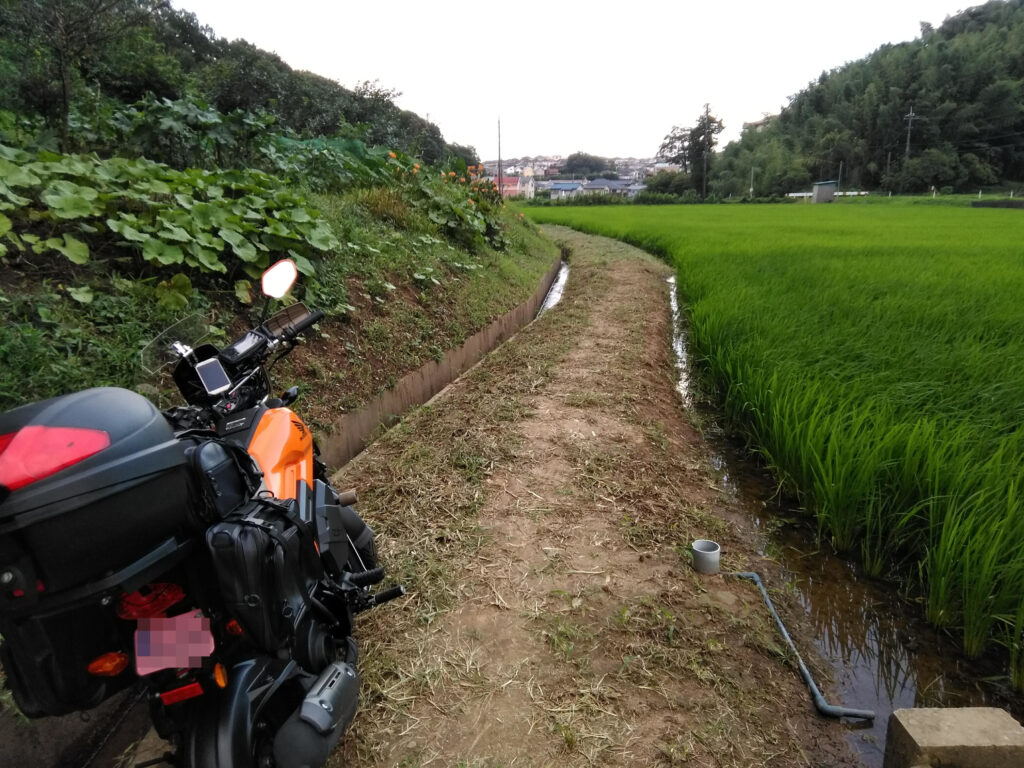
(283, 447)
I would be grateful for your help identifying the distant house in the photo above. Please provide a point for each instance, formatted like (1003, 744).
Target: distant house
(635, 189)
(650, 170)
(564, 190)
(516, 186)
(607, 187)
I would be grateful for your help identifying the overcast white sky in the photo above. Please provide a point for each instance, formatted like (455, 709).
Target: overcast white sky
(565, 76)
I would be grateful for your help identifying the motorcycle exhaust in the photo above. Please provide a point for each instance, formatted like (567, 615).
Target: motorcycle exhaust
(313, 730)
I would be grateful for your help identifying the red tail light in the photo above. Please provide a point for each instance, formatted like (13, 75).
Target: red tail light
(109, 664)
(36, 452)
(149, 602)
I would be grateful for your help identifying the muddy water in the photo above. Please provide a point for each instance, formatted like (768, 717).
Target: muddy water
(881, 653)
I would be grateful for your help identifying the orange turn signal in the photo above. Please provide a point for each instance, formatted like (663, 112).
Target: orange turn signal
(220, 675)
(109, 664)
(233, 627)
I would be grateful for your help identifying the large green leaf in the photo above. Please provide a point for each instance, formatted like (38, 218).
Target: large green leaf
(207, 240)
(174, 293)
(298, 215)
(243, 291)
(174, 234)
(73, 249)
(279, 229)
(207, 259)
(127, 231)
(322, 238)
(5, 225)
(68, 200)
(17, 176)
(208, 216)
(304, 265)
(83, 294)
(242, 247)
(161, 252)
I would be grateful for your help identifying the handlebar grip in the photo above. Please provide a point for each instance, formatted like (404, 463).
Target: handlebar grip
(312, 318)
(347, 498)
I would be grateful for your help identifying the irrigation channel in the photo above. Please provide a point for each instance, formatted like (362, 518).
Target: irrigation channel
(882, 654)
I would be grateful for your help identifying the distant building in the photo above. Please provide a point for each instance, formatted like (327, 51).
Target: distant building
(825, 191)
(564, 190)
(607, 187)
(516, 186)
(635, 189)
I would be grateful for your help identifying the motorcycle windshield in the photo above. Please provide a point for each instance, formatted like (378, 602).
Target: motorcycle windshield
(159, 354)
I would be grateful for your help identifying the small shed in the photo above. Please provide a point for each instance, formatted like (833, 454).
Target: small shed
(824, 191)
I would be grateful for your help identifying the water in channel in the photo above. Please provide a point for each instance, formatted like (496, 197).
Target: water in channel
(554, 294)
(882, 654)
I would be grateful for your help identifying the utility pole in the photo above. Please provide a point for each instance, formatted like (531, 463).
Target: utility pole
(501, 195)
(707, 148)
(704, 177)
(839, 185)
(910, 124)
(751, 182)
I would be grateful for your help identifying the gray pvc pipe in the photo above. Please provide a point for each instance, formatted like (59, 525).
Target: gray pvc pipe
(823, 706)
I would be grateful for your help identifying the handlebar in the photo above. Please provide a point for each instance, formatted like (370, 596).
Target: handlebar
(312, 318)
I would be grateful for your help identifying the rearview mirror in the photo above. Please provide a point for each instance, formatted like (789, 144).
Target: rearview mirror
(279, 279)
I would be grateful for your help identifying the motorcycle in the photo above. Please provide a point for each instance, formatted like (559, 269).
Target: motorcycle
(198, 552)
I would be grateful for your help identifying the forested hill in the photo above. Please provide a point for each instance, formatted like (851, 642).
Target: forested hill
(67, 61)
(964, 82)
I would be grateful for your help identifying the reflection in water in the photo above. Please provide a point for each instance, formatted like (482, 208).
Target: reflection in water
(679, 344)
(554, 294)
(882, 655)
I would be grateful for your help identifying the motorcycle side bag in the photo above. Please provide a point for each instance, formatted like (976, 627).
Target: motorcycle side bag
(267, 568)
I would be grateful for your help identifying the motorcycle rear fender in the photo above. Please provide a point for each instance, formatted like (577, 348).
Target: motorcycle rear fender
(222, 725)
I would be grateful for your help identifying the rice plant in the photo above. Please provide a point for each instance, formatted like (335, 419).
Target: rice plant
(874, 356)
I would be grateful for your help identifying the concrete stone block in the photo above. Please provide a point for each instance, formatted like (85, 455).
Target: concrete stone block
(966, 737)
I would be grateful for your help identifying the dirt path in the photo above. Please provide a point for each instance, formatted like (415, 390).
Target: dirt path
(540, 512)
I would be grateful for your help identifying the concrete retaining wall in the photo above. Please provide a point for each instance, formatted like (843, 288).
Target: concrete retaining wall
(352, 432)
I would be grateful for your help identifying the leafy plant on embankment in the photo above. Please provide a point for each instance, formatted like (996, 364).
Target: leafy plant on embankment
(208, 221)
(874, 357)
(100, 255)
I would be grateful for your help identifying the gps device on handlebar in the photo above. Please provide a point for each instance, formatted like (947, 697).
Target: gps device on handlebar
(214, 378)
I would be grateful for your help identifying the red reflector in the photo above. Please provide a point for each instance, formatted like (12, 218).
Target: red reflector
(151, 601)
(184, 693)
(109, 664)
(33, 453)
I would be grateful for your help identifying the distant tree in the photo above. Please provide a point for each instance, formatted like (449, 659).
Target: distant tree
(582, 164)
(467, 155)
(70, 33)
(676, 148)
(245, 77)
(669, 182)
(691, 148)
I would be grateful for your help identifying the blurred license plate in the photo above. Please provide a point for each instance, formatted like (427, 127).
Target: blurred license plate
(180, 641)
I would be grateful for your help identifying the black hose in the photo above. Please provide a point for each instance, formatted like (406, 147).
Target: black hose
(823, 706)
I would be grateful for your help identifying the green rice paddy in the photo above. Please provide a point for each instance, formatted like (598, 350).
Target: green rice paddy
(874, 356)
